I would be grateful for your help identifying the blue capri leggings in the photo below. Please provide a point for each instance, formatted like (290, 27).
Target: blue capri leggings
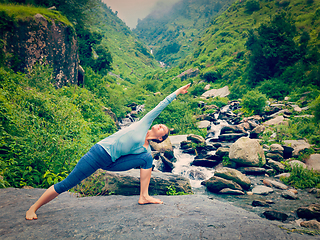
(97, 158)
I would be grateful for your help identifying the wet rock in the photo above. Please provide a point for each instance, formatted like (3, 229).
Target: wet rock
(231, 191)
(274, 156)
(312, 224)
(161, 147)
(289, 195)
(233, 129)
(282, 175)
(259, 203)
(267, 182)
(257, 131)
(278, 185)
(222, 151)
(205, 163)
(196, 175)
(294, 191)
(196, 138)
(231, 137)
(275, 215)
(234, 175)
(313, 162)
(186, 144)
(252, 170)
(314, 190)
(191, 151)
(297, 145)
(247, 152)
(276, 148)
(279, 167)
(167, 164)
(262, 190)
(170, 155)
(310, 212)
(203, 124)
(215, 184)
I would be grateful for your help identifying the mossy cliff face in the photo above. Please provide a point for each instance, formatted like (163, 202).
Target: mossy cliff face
(37, 39)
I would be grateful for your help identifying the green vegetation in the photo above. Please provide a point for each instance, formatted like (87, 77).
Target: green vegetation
(226, 161)
(173, 33)
(301, 178)
(21, 12)
(260, 49)
(253, 102)
(173, 192)
(45, 131)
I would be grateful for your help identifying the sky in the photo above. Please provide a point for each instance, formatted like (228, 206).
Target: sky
(130, 10)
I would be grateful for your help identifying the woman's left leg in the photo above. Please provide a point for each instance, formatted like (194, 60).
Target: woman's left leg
(144, 161)
(145, 176)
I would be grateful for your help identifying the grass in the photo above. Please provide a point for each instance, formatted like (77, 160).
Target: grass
(22, 12)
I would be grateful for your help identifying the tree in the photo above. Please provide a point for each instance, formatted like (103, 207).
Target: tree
(272, 49)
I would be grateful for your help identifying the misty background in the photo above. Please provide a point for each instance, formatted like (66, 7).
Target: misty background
(132, 10)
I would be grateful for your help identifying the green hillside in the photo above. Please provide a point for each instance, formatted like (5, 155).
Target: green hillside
(171, 33)
(131, 58)
(223, 50)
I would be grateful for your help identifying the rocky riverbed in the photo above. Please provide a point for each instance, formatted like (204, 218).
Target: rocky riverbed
(233, 164)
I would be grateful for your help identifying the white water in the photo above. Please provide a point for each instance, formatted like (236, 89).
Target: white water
(182, 165)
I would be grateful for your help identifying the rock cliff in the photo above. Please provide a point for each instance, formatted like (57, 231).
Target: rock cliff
(40, 39)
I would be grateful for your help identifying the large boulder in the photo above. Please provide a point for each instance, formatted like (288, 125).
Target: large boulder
(128, 183)
(276, 148)
(215, 184)
(247, 152)
(313, 162)
(234, 175)
(221, 92)
(161, 147)
(279, 167)
(196, 138)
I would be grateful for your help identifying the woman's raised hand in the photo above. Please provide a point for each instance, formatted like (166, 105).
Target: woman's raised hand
(183, 90)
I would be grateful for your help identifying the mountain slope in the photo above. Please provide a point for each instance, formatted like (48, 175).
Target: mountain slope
(171, 33)
(131, 58)
(222, 48)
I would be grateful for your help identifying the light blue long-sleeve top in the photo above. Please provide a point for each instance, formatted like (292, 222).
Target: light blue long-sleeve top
(130, 140)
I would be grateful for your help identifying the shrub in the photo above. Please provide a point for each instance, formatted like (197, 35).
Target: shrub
(315, 106)
(254, 101)
(274, 88)
(302, 178)
(211, 76)
(198, 89)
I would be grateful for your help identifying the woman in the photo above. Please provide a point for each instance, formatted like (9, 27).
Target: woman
(124, 150)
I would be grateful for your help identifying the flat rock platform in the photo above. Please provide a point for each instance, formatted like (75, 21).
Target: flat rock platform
(120, 217)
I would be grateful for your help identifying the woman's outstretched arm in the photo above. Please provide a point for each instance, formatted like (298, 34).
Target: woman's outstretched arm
(150, 116)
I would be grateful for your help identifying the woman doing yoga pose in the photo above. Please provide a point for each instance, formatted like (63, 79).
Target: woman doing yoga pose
(126, 149)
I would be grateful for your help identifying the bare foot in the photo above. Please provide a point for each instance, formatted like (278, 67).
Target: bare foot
(31, 215)
(149, 200)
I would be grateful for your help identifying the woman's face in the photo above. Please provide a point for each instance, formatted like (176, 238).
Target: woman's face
(160, 130)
